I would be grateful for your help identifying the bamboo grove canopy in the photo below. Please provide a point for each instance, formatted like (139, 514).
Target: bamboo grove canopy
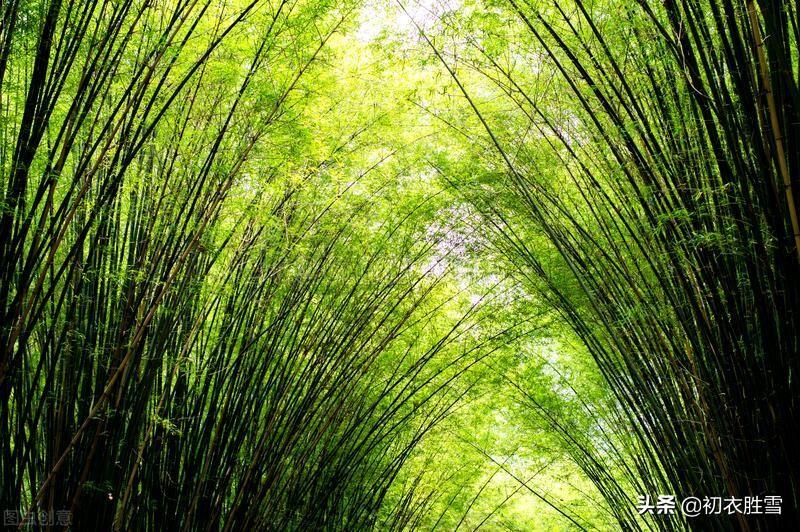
(399, 264)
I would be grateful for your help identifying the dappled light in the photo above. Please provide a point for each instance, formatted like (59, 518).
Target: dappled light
(399, 265)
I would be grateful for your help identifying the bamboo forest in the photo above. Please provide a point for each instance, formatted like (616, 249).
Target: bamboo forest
(399, 265)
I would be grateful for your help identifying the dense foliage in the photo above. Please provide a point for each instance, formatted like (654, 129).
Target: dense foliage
(301, 265)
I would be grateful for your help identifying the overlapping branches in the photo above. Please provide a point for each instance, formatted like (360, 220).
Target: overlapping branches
(671, 208)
